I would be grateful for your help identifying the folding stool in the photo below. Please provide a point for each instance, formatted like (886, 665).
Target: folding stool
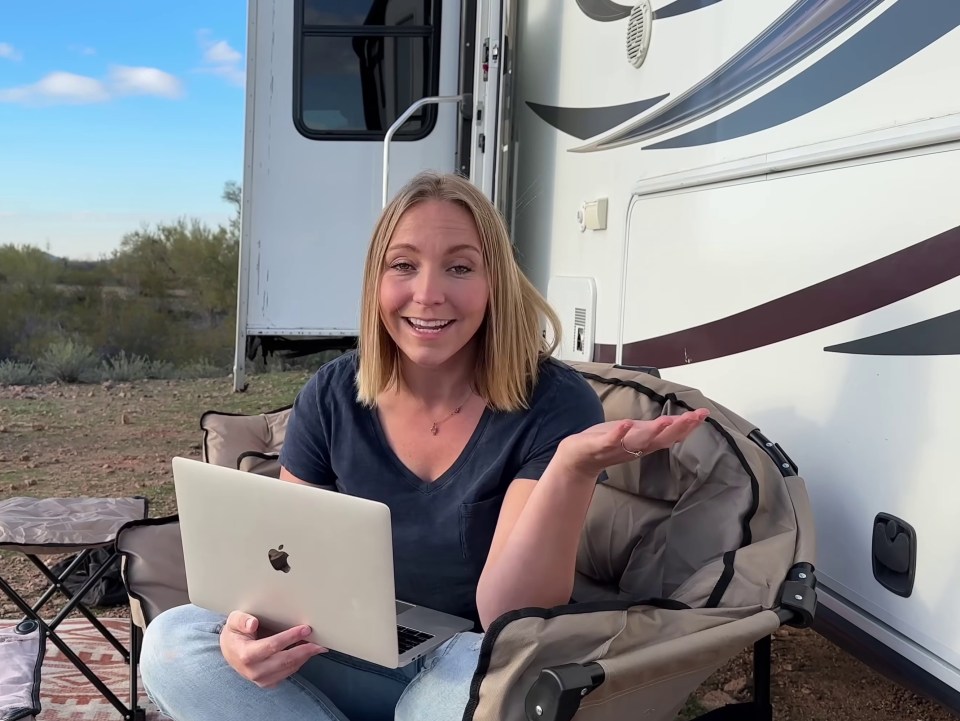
(48, 526)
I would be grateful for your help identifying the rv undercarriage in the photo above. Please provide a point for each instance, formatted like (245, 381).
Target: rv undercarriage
(295, 347)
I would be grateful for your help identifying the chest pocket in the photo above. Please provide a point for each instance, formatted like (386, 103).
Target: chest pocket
(478, 521)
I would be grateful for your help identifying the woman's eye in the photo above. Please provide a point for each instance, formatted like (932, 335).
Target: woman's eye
(461, 269)
(401, 266)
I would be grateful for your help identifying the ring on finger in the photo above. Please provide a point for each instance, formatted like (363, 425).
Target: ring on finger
(636, 454)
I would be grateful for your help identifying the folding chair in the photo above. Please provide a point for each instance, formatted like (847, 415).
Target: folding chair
(48, 526)
(688, 556)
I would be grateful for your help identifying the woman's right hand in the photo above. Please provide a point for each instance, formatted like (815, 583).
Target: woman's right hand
(269, 660)
(606, 444)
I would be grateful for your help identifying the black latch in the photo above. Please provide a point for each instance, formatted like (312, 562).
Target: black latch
(894, 554)
(799, 595)
(557, 692)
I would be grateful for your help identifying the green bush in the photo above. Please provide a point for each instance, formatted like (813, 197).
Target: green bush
(201, 369)
(123, 367)
(68, 361)
(16, 373)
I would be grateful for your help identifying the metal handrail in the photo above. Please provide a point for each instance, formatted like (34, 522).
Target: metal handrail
(398, 123)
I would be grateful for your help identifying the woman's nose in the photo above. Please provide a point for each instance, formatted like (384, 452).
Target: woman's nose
(428, 288)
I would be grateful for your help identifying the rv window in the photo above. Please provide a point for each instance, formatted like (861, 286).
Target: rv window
(362, 12)
(360, 64)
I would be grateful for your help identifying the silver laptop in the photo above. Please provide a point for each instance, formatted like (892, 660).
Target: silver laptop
(292, 554)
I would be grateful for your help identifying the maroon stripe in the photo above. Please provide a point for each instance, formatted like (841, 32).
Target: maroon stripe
(861, 290)
(603, 353)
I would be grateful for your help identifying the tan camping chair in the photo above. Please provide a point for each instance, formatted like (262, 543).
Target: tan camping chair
(689, 556)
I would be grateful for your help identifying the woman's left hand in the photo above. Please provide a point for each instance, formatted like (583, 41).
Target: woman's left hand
(603, 445)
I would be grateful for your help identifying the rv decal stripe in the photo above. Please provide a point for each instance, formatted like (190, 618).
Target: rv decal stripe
(604, 11)
(680, 7)
(800, 31)
(901, 32)
(935, 336)
(585, 123)
(858, 291)
(604, 353)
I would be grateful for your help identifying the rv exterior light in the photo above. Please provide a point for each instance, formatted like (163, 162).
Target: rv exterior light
(592, 215)
(638, 32)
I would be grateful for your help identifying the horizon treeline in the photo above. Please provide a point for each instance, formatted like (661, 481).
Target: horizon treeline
(167, 294)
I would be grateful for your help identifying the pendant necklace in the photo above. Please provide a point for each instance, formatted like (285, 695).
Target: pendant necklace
(435, 428)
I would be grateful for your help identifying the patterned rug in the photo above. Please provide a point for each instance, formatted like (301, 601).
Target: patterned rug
(66, 695)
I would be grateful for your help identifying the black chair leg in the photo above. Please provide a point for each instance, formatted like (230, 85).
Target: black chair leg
(136, 639)
(760, 708)
(75, 602)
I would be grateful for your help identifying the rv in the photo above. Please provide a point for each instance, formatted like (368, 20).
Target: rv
(756, 197)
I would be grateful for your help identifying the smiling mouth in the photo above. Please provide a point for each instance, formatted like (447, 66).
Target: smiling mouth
(428, 326)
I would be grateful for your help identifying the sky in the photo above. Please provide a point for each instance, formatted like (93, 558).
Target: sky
(116, 114)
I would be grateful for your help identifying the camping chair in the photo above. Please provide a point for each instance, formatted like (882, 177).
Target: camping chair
(688, 556)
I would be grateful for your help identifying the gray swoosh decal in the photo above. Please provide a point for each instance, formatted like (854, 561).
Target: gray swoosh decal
(586, 123)
(604, 11)
(680, 7)
(936, 336)
(899, 33)
(805, 27)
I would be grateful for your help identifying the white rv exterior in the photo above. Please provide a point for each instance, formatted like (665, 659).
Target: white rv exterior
(759, 197)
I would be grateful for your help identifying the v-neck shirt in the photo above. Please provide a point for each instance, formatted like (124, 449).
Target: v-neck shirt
(442, 529)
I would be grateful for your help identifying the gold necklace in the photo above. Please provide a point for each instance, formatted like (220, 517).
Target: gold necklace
(435, 428)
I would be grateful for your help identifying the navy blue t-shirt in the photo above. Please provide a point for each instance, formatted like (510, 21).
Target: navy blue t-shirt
(442, 529)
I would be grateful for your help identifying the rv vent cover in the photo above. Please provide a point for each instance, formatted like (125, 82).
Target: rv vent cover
(638, 32)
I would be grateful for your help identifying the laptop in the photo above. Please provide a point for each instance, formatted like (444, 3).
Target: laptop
(293, 554)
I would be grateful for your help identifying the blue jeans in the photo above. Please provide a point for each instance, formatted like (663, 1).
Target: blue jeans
(187, 677)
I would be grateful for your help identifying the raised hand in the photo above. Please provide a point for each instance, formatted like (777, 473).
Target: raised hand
(614, 442)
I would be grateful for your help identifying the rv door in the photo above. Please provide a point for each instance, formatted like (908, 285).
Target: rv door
(326, 80)
(490, 167)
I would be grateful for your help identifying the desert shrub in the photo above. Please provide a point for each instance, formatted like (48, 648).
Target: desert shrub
(123, 367)
(203, 368)
(18, 373)
(69, 361)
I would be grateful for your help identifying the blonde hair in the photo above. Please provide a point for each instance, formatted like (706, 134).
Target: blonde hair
(511, 346)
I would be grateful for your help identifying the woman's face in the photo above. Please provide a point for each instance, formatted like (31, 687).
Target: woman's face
(434, 286)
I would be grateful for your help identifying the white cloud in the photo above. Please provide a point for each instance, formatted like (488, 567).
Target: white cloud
(9, 52)
(82, 50)
(61, 88)
(220, 53)
(144, 81)
(219, 58)
(58, 88)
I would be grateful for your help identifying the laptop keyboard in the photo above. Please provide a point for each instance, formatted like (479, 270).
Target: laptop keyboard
(408, 638)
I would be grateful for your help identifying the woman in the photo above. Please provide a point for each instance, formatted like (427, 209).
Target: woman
(452, 413)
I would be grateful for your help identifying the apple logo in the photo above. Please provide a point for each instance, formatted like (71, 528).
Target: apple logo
(278, 559)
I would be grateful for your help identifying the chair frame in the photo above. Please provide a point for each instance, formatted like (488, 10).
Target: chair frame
(74, 602)
(558, 690)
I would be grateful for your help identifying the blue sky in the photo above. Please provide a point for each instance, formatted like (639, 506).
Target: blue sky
(115, 114)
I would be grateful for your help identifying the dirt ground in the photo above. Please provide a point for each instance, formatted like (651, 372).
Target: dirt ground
(118, 438)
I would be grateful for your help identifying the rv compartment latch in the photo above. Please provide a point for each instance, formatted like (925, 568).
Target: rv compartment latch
(894, 554)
